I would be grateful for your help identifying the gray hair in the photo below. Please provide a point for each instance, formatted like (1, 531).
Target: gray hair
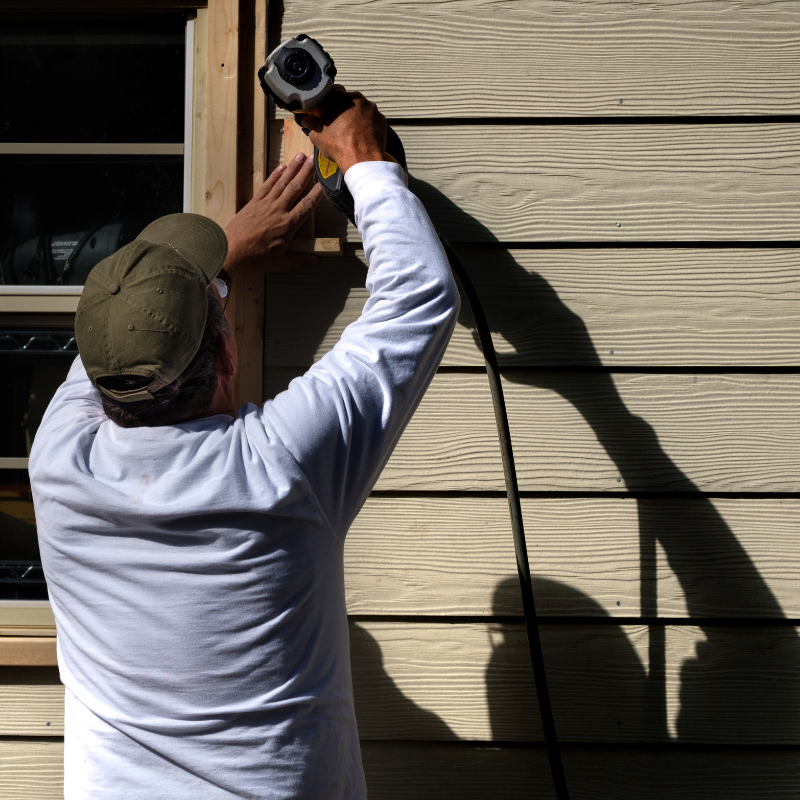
(188, 396)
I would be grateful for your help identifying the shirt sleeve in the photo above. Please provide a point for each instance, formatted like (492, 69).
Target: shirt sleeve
(76, 401)
(342, 419)
(75, 398)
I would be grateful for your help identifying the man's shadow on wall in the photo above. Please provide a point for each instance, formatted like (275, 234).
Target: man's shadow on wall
(743, 685)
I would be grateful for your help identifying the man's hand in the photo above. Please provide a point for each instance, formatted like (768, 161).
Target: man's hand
(259, 234)
(351, 129)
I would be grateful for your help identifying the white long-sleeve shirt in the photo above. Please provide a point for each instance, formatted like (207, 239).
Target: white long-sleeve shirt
(196, 570)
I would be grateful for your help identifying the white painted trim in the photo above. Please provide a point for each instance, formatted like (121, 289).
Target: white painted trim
(7, 462)
(188, 113)
(92, 148)
(39, 291)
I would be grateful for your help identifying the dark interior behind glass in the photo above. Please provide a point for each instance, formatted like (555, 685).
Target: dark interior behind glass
(34, 360)
(78, 209)
(118, 80)
(92, 80)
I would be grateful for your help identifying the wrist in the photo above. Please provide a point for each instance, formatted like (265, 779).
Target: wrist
(357, 156)
(234, 258)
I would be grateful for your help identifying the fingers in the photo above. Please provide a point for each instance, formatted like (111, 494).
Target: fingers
(266, 187)
(298, 185)
(311, 122)
(293, 181)
(305, 206)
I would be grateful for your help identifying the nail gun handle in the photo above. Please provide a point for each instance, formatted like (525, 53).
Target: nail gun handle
(332, 180)
(314, 112)
(317, 112)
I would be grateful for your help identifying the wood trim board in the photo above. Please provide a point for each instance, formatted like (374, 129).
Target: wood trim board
(27, 651)
(222, 110)
(230, 164)
(200, 110)
(260, 167)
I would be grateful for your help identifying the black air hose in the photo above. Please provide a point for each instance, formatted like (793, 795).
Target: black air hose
(515, 509)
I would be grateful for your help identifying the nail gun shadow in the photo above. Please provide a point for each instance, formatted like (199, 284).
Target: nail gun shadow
(742, 683)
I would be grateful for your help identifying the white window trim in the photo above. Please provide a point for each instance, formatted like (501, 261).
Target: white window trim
(188, 113)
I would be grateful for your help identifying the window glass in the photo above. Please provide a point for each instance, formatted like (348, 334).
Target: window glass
(84, 80)
(34, 361)
(21, 576)
(94, 83)
(60, 215)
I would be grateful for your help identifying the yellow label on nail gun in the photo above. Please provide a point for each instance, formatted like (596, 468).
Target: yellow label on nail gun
(326, 166)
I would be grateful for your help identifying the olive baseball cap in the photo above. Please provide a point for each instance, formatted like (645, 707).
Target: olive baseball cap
(143, 310)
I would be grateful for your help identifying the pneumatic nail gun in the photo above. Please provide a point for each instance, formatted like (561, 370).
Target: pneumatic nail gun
(298, 75)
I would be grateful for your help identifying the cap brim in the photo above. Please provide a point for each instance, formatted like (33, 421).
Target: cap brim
(193, 235)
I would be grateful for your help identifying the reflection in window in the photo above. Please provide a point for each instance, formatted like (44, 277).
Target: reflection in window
(47, 241)
(76, 79)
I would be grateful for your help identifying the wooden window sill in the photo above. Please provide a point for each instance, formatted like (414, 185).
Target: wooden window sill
(28, 651)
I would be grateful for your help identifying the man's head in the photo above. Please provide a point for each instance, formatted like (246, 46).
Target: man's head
(148, 323)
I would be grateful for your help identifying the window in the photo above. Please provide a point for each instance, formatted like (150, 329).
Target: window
(95, 143)
(35, 356)
(91, 139)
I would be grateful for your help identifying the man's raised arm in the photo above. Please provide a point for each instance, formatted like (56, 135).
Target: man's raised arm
(342, 419)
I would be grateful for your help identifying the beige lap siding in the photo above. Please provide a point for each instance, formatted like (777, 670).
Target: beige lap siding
(654, 307)
(555, 58)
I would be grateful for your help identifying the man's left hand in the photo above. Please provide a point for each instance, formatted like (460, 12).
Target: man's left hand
(259, 235)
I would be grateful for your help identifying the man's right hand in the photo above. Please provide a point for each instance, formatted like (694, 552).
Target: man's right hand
(350, 130)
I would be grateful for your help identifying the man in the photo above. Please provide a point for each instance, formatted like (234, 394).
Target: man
(194, 553)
